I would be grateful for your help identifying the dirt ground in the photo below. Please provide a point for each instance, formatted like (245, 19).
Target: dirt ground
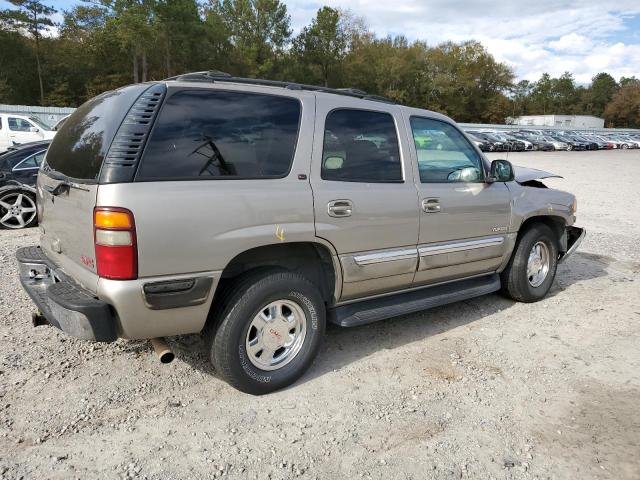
(486, 388)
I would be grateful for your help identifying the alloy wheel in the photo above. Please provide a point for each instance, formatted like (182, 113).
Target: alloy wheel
(276, 335)
(17, 210)
(538, 264)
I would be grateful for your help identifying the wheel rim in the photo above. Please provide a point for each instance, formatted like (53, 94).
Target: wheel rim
(17, 210)
(538, 264)
(276, 335)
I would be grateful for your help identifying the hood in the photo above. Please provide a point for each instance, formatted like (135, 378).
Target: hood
(524, 174)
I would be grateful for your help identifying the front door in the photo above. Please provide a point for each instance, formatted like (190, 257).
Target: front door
(22, 130)
(463, 219)
(364, 194)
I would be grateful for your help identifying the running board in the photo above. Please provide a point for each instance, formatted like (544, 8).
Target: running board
(369, 311)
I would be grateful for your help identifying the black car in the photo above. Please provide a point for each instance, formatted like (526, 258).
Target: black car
(18, 172)
(495, 145)
(573, 144)
(538, 143)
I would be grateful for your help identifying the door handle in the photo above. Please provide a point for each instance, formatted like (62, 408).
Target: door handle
(431, 205)
(340, 208)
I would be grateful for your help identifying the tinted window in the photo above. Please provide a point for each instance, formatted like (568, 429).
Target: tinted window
(33, 161)
(444, 154)
(208, 134)
(81, 144)
(360, 146)
(19, 124)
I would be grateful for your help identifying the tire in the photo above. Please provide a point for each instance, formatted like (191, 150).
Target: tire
(25, 217)
(625, 146)
(243, 306)
(516, 281)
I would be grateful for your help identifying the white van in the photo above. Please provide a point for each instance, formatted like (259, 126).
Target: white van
(16, 129)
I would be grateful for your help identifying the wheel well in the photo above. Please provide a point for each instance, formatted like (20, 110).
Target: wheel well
(312, 260)
(556, 224)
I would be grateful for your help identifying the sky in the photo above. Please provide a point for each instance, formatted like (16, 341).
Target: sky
(583, 37)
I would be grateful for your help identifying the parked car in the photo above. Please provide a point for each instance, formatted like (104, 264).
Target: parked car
(60, 122)
(515, 145)
(17, 129)
(555, 142)
(588, 144)
(534, 140)
(256, 211)
(18, 171)
(495, 144)
(483, 145)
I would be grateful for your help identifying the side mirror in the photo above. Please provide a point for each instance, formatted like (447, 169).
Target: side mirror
(33, 129)
(501, 171)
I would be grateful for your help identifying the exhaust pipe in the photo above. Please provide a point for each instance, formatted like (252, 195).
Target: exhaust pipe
(38, 319)
(162, 350)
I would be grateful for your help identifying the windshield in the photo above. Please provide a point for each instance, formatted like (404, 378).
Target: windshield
(40, 123)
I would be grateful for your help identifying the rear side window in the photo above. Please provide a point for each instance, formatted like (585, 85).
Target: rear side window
(360, 146)
(82, 142)
(33, 161)
(214, 134)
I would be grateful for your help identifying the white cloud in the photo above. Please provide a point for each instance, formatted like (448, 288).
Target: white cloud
(584, 37)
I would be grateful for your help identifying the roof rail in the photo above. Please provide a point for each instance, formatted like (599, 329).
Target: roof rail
(218, 76)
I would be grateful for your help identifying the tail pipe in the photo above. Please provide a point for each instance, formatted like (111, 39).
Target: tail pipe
(162, 350)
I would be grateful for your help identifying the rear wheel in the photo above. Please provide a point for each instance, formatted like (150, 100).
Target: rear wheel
(17, 210)
(271, 327)
(532, 268)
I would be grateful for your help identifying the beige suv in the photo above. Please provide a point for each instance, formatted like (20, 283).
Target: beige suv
(256, 211)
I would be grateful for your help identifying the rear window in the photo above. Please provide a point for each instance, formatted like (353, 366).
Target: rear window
(214, 134)
(82, 142)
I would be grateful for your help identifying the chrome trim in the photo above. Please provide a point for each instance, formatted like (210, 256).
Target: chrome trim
(459, 246)
(16, 169)
(388, 256)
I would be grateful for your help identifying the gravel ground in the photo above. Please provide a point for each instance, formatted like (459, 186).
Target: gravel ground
(486, 388)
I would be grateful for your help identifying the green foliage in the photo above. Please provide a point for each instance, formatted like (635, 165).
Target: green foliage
(104, 44)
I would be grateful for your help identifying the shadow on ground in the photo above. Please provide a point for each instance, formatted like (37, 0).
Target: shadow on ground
(343, 346)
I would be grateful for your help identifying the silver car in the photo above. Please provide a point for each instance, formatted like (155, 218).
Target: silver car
(255, 212)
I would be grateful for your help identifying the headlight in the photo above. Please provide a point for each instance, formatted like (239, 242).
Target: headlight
(574, 206)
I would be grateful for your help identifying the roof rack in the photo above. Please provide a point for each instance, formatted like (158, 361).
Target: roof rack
(218, 76)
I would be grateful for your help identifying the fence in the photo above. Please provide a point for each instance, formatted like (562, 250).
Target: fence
(49, 115)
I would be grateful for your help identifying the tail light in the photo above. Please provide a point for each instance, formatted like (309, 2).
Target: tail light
(114, 234)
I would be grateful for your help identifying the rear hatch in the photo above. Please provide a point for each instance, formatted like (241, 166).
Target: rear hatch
(68, 182)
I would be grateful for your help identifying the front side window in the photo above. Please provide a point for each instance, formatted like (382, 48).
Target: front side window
(444, 154)
(361, 146)
(19, 124)
(215, 134)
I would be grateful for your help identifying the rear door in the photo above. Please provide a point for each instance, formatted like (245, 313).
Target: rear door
(364, 196)
(75, 157)
(27, 170)
(463, 219)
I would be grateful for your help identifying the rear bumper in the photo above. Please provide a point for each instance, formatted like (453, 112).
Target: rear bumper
(64, 303)
(575, 235)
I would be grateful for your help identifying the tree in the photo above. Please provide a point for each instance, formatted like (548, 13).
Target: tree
(33, 17)
(603, 88)
(322, 44)
(258, 29)
(624, 108)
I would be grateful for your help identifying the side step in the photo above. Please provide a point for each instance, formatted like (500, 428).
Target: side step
(369, 311)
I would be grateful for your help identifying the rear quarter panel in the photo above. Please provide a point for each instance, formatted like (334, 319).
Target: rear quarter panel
(201, 225)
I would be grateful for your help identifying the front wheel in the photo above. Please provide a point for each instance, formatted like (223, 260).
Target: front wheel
(271, 328)
(532, 268)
